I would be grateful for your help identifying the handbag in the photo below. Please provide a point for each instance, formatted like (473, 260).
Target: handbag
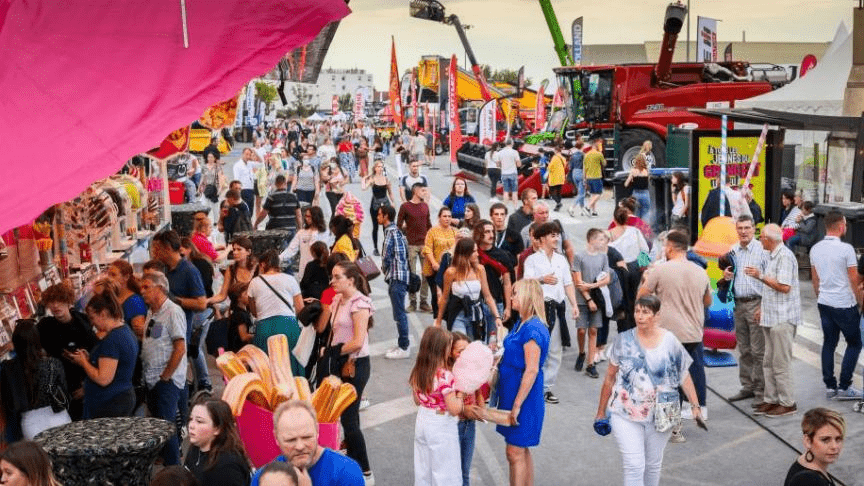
(305, 343)
(414, 282)
(211, 193)
(367, 266)
(332, 359)
(40, 419)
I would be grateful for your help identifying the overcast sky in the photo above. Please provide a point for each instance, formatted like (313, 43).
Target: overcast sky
(512, 33)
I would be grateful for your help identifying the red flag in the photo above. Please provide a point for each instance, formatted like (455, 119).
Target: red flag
(175, 143)
(414, 99)
(558, 99)
(540, 109)
(335, 104)
(427, 122)
(453, 106)
(395, 101)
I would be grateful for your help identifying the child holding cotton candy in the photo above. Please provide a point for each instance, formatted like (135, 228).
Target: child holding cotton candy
(437, 460)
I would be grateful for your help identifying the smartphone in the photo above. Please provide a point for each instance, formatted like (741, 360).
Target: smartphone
(71, 346)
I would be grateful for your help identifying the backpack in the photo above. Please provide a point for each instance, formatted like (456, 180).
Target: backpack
(242, 223)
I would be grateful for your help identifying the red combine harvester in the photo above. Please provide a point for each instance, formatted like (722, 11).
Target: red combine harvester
(631, 103)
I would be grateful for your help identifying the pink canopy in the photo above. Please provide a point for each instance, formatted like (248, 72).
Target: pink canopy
(87, 85)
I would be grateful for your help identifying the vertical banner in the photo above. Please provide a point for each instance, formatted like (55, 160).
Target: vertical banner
(359, 104)
(335, 105)
(724, 156)
(576, 32)
(414, 98)
(249, 105)
(706, 40)
(453, 109)
(558, 99)
(540, 107)
(395, 102)
(488, 122)
(427, 119)
(727, 53)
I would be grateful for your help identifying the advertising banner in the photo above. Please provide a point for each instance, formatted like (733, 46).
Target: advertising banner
(739, 150)
(335, 105)
(453, 109)
(540, 108)
(576, 31)
(488, 122)
(706, 40)
(359, 104)
(414, 98)
(395, 101)
(427, 121)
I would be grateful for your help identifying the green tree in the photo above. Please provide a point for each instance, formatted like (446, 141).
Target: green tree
(346, 102)
(509, 76)
(300, 102)
(265, 92)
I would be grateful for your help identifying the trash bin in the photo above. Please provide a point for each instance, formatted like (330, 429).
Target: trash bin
(618, 190)
(183, 217)
(854, 213)
(661, 197)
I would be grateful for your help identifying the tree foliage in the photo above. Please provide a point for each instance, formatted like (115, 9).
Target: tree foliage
(265, 92)
(346, 102)
(509, 76)
(300, 101)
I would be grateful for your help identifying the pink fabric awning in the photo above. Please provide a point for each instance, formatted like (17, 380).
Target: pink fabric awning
(86, 85)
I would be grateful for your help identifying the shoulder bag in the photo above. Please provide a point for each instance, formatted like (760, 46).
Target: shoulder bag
(303, 348)
(332, 361)
(367, 265)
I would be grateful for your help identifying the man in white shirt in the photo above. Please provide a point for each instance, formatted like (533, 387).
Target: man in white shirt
(244, 170)
(552, 270)
(510, 163)
(835, 280)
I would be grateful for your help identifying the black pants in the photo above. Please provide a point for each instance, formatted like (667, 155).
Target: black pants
(333, 198)
(121, 405)
(374, 213)
(351, 416)
(433, 289)
(494, 179)
(555, 192)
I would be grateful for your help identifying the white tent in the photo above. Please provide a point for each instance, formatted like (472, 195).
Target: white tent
(315, 118)
(821, 91)
(340, 117)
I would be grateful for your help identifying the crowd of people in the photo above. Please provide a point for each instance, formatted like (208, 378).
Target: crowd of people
(505, 280)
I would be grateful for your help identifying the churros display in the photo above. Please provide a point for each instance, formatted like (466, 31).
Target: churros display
(266, 380)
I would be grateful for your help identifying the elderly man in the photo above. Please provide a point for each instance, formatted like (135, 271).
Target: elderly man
(541, 215)
(835, 280)
(163, 357)
(748, 298)
(295, 426)
(780, 316)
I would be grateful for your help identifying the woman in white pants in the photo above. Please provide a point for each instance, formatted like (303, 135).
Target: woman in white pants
(437, 456)
(647, 364)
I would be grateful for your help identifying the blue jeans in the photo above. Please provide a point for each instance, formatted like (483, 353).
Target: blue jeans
(697, 370)
(467, 432)
(644, 199)
(248, 196)
(490, 317)
(163, 400)
(834, 322)
(397, 291)
(202, 374)
(576, 177)
(510, 183)
(463, 325)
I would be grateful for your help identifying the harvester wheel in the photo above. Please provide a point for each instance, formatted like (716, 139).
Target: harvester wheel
(631, 142)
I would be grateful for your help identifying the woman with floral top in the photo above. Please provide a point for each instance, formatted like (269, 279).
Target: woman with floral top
(437, 460)
(647, 364)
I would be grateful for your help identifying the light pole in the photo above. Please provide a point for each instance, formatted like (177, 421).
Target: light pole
(688, 30)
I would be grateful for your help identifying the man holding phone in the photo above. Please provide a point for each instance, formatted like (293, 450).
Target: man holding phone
(748, 252)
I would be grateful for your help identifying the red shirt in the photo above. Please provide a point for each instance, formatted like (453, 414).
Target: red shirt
(414, 220)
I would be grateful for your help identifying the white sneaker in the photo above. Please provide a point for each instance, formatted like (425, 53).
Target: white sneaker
(677, 436)
(398, 353)
(369, 479)
(364, 403)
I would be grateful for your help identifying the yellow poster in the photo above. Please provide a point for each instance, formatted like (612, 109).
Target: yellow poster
(739, 151)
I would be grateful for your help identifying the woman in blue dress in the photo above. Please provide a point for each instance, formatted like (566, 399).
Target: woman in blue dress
(520, 380)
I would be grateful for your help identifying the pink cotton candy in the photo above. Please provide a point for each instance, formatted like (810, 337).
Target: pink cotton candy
(473, 368)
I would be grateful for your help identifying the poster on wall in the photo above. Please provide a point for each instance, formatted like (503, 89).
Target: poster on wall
(764, 185)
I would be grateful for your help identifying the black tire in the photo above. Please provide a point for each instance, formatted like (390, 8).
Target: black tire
(631, 142)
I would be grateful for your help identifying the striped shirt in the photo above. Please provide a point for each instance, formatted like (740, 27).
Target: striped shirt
(752, 255)
(281, 206)
(777, 307)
